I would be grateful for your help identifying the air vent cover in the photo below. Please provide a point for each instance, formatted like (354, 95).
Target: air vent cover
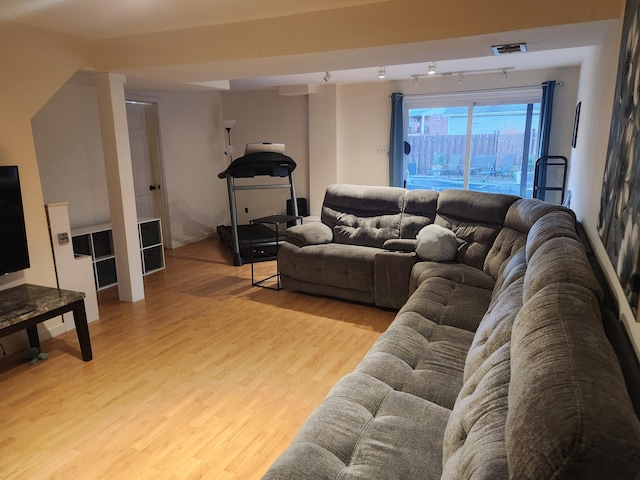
(509, 48)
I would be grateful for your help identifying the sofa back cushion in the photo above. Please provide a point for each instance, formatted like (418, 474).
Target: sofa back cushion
(475, 218)
(363, 215)
(560, 223)
(520, 218)
(474, 441)
(569, 413)
(560, 260)
(419, 211)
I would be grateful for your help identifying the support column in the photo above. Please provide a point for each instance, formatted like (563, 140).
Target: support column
(122, 200)
(323, 144)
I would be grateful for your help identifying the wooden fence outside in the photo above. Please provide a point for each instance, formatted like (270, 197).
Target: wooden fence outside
(429, 151)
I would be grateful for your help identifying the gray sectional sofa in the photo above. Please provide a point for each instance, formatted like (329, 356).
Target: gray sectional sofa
(496, 365)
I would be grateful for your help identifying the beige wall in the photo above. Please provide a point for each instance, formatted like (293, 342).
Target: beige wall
(35, 66)
(66, 133)
(392, 22)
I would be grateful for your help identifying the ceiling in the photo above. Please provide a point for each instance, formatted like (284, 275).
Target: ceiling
(95, 20)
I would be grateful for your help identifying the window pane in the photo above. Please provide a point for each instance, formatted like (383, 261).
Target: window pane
(502, 141)
(438, 142)
(498, 137)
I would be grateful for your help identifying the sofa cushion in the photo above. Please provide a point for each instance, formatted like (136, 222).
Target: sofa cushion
(506, 244)
(494, 329)
(474, 441)
(520, 218)
(368, 232)
(365, 429)
(417, 356)
(560, 260)
(525, 212)
(315, 233)
(456, 272)
(368, 208)
(569, 411)
(436, 244)
(513, 269)
(419, 210)
(348, 267)
(552, 225)
(475, 218)
(449, 302)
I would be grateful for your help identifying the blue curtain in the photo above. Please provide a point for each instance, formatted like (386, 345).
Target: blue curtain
(546, 108)
(396, 142)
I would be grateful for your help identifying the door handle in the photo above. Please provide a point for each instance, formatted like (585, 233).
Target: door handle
(154, 187)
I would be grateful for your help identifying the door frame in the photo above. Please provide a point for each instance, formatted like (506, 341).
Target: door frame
(152, 112)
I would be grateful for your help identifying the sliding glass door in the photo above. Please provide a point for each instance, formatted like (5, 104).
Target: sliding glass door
(483, 141)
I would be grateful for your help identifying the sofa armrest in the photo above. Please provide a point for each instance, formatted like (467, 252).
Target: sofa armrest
(401, 244)
(392, 271)
(315, 233)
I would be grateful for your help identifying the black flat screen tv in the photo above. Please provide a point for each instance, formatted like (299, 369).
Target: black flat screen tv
(14, 254)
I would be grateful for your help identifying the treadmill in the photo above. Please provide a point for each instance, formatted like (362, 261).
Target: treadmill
(240, 237)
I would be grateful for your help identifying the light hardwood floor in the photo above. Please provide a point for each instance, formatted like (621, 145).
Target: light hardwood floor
(208, 377)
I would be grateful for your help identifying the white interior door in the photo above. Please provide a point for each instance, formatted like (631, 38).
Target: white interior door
(147, 170)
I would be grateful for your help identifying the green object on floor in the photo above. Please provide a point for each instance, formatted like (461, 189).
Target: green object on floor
(33, 355)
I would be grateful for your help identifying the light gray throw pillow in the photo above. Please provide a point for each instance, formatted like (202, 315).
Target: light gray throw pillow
(436, 244)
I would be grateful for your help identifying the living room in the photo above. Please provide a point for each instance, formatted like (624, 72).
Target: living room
(331, 134)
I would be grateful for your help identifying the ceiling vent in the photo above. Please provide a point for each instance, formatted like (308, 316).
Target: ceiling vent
(509, 48)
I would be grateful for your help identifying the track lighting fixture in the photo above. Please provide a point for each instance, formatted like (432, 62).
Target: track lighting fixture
(416, 82)
(431, 69)
(503, 75)
(460, 79)
(327, 76)
(382, 72)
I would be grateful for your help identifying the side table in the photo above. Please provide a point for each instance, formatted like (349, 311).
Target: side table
(275, 221)
(24, 306)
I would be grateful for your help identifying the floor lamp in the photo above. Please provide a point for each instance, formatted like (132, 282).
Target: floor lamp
(229, 150)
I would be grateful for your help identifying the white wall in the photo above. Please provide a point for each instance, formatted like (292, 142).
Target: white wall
(193, 143)
(70, 157)
(597, 89)
(267, 116)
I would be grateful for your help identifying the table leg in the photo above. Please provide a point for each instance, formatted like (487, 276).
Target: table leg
(82, 329)
(32, 334)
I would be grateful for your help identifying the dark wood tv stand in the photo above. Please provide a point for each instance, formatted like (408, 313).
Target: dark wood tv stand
(24, 306)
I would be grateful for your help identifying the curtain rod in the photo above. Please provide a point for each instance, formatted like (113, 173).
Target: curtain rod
(484, 90)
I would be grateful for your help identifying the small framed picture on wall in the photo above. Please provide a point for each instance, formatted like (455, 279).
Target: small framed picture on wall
(576, 122)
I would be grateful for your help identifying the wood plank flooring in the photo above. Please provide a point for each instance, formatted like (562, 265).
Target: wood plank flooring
(206, 378)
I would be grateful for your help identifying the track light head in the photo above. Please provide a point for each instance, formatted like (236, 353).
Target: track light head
(327, 76)
(431, 69)
(382, 72)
